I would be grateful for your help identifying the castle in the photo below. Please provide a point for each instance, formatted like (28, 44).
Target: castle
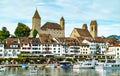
(58, 30)
(54, 29)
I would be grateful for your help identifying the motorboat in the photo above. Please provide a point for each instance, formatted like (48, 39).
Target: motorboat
(87, 64)
(2, 68)
(111, 66)
(24, 65)
(50, 66)
(33, 69)
(65, 64)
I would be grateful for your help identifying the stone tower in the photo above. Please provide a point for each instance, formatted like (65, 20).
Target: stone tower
(62, 23)
(93, 28)
(36, 21)
(84, 26)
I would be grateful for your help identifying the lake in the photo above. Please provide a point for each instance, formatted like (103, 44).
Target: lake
(18, 71)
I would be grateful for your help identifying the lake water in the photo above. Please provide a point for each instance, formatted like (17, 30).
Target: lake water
(18, 71)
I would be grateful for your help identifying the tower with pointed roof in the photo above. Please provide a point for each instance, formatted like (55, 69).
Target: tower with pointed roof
(93, 28)
(36, 21)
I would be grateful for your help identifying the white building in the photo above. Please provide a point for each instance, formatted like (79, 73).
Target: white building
(96, 46)
(84, 49)
(11, 48)
(115, 49)
(1, 49)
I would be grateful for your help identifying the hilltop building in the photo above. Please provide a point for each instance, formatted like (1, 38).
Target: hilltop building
(54, 29)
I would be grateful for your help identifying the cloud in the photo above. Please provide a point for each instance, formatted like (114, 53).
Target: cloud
(75, 12)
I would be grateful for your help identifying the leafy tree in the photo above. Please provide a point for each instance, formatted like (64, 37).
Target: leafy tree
(4, 33)
(35, 32)
(22, 30)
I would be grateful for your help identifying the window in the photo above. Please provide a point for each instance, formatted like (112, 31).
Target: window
(58, 45)
(0, 50)
(117, 49)
(54, 45)
(58, 48)
(117, 53)
(54, 48)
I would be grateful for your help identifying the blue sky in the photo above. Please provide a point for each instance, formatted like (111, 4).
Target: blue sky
(75, 12)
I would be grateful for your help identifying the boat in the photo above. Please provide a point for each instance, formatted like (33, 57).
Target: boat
(87, 64)
(2, 68)
(65, 64)
(24, 65)
(111, 66)
(50, 66)
(99, 65)
(33, 69)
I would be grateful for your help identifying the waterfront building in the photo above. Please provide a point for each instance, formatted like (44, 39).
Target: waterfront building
(84, 49)
(25, 46)
(1, 49)
(55, 29)
(115, 49)
(11, 48)
(95, 47)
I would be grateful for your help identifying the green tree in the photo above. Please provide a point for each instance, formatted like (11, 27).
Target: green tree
(4, 33)
(22, 30)
(35, 32)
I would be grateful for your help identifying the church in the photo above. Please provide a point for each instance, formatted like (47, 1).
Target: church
(84, 32)
(52, 28)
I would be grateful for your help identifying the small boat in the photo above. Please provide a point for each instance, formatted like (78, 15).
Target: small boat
(2, 68)
(65, 64)
(111, 66)
(87, 64)
(33, 69)
(24, 65)
(50, 66)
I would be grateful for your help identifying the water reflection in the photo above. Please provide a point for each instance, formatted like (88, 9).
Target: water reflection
(18, 71)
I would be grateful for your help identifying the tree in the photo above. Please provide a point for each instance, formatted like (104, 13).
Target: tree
(22, 30)
(4, 33)
(35, 33)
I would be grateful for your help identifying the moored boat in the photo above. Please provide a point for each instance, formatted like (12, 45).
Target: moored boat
(2, 68)
(65, 64)
(111, 66)
(33, 69)
(87, 64)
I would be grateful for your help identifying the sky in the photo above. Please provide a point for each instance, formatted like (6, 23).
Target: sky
(75, 13)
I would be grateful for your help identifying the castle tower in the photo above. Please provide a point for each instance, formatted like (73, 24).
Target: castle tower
(36, 21)
(62, 23)
(84, 26)
(93, 28)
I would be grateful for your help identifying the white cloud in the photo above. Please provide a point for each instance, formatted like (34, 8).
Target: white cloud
(74, 11)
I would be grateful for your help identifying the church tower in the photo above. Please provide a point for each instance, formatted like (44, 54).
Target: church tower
(93, 28)
(36, 21)
(85, 26)
(62, 23)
